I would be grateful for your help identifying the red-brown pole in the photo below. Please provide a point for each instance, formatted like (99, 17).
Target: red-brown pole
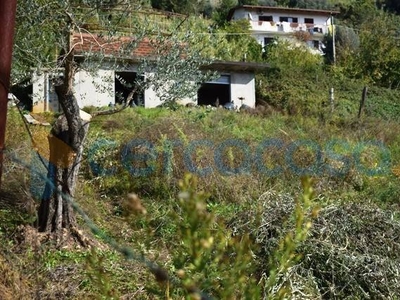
(7, 17)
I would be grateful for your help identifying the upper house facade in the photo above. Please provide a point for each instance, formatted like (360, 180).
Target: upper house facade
(293, 24)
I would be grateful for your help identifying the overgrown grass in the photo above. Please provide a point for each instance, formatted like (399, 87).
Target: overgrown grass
(236, 210)
(294, 91)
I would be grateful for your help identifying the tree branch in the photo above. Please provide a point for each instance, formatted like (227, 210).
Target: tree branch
(128, 102)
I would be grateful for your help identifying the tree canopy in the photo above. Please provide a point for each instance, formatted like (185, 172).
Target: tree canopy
(176, 58)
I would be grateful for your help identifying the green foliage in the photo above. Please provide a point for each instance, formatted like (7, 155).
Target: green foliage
(294, 74)
(173, 76)
(289, 58)
(176, 73)
(312, 4)
(225, 228)
(347, 44)
(383, 103)
(211, 240)
(99, 274)
(268, 2)
(27, 37)
(239, 45)
(373, 53)
(220, 14)
(379, 57)
(300, 83)
(183, 7)
(209, 258)
(356, 12)
(248, 2)
(37, 49)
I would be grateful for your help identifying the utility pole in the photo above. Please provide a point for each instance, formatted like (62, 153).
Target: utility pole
(333, 40)
(7, 17)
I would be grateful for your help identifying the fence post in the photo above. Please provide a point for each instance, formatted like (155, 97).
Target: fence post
(332, 99)
(362, 102)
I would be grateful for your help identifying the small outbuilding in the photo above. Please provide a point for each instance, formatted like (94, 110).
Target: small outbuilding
(111, 82)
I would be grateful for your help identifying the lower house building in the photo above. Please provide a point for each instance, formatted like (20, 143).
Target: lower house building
(110, 83)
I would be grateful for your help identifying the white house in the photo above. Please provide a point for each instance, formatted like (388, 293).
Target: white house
(293, 24)
(103, 86)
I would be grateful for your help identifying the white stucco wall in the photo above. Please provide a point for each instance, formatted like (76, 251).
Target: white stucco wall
(98, 89)
(152, 100)
(285, 30)
(90, 90)
(243, 86)
(94, 89)
(38, 94)
(43, 95)
(152, 97)
(253, 16)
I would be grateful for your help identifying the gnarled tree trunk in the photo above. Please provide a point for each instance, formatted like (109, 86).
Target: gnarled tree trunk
(55, 211)
(66, 142)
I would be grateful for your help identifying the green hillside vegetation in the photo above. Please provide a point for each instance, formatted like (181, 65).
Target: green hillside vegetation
(353, 215)
(297, 198)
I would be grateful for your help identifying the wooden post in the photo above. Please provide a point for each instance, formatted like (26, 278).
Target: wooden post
(362, 102)
(7, 17)
(333, 40)
(332, 99)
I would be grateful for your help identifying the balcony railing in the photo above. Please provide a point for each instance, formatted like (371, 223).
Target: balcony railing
(287, 27)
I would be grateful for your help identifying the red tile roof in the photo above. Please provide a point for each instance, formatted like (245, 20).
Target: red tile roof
(146, 48)
(122, 46)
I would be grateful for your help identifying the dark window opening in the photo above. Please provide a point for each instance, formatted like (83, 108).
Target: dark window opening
(23, 91)
(317, 29)
(288, 19)
(124, 84)
(265, 18)
(308, 20)
(214, 94)
(316, 44)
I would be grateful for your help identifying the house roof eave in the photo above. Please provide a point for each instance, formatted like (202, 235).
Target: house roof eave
(235, 66)
(107, 57)
(216, 65)
(283, 9)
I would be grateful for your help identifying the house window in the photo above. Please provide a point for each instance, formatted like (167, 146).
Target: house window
(125, 83)
(308, 20)
(316, 44)
(265, 18)
(288, 19)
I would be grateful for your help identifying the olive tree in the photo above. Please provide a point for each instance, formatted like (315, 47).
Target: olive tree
(44, 40)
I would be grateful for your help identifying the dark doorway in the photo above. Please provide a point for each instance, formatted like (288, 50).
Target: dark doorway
(124, 83)
(23, 91)
(215, 93)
